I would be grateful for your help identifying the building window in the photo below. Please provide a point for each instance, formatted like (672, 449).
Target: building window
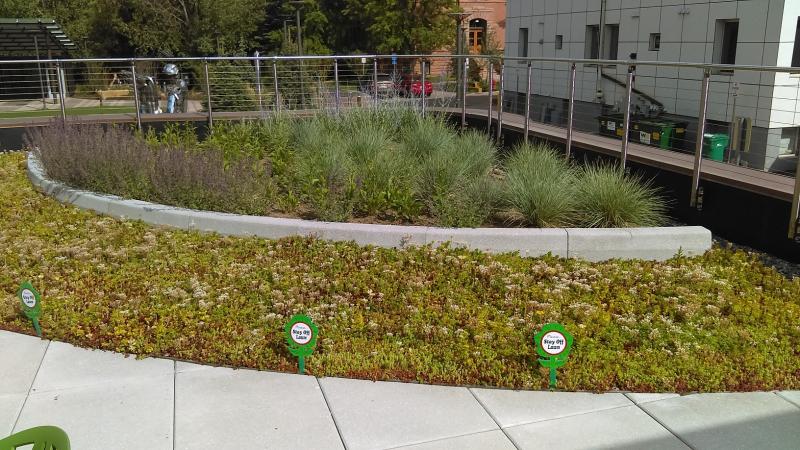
(592, 49)
(726, 37)
(655, 42)
(796, 54)
(610, 42)
(559, 41)
(611, 39)
(523, 43)
(477, 35)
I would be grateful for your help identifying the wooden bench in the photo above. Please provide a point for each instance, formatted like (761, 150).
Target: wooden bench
(109, 94)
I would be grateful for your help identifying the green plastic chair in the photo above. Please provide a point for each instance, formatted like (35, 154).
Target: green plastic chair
(42, 438)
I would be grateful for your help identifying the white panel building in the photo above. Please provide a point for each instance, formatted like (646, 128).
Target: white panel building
(748, 32)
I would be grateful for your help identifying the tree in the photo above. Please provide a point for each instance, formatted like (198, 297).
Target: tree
(403, 26)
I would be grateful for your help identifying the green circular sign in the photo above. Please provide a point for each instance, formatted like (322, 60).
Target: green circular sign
(301, 335)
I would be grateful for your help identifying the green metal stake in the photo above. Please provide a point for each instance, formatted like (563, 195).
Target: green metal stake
(552, 378)
(301, 363)
(36, 327)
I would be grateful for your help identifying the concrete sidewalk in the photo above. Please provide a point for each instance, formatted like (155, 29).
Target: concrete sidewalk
(106, 401)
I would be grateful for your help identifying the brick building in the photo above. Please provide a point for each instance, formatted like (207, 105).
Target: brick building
(487, 18)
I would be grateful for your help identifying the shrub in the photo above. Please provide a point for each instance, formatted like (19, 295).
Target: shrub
(113, 160)
(100, 158)
(231, 87)
(609, 198)
(539, 188)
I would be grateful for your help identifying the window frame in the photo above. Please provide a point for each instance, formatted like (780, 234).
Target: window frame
(655, 42)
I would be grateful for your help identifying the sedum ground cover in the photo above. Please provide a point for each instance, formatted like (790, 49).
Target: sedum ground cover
(718, 322)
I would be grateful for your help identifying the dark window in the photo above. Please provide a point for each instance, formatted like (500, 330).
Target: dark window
(611, 39)
(592, 49)
(559, 41)
(523, 43)
(796, 54)
(655, 42)
(727, 36)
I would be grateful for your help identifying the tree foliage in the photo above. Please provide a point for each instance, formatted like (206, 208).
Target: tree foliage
(212, 27)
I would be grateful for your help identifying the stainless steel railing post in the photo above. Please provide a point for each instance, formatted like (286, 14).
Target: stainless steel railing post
(375, 81)
(528, 103)
(701, 131)
(623, 156)
(491, 100)
(136, 101)
(277, 91)
(500, 101)
(258, 84)
(464, 95)
(61, 87)
(336, 94)
(208, 95)
(422, 92)
(794, 223)
(571, 113)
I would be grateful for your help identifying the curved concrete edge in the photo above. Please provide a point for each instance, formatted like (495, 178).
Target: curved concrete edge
(593, 244)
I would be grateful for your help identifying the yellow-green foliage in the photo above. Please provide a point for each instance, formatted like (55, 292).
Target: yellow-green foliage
(718, 322)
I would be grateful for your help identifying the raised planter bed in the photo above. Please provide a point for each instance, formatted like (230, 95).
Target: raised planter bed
(593, 244)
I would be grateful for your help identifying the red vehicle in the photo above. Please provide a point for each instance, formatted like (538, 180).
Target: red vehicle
(411, 85)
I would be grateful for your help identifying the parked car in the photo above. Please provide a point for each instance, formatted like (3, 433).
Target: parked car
(386, 85)
(411, 85)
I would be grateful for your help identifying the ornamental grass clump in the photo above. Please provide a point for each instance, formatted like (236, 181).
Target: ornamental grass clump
(453, 180)
(540, 188)
(609, 198)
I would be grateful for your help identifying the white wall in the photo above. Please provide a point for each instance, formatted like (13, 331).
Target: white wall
(687, 27)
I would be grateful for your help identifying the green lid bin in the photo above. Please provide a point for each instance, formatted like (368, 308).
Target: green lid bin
(714, 146)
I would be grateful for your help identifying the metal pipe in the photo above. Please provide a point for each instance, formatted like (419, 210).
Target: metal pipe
(794, 224)
(500, 100)
(258, 83)
(39, 66)
(336, 94)
(464, 96)
(61, 88)
(208, 97)
(491, 99)
(136, 102)
(701, 130)
(423, 91)
(731, 125)
(571, 112)
(277, 92)
(375, 81)
(528, 104)
(623, 157)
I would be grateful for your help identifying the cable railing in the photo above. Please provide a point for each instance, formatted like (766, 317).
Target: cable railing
(740, 116)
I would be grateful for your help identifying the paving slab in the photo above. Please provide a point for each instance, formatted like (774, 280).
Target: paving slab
(511, 408)
(494, 440)
(115, 415)
(225, 408)
(627, 427)
(759, 420)
(20, 357)
(792, 396)
(374, 415)
(10, 406)
(640, 398)
(65, 366)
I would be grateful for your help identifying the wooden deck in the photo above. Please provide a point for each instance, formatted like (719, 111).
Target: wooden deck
(756, 181)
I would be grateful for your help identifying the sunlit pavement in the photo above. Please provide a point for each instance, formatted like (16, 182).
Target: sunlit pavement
(107, 401)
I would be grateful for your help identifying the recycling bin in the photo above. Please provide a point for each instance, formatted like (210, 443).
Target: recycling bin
(714, 146)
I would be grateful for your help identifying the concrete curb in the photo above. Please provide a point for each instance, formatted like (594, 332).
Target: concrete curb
(593, 244)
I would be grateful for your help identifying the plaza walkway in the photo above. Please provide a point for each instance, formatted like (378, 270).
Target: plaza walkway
(105, 401)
